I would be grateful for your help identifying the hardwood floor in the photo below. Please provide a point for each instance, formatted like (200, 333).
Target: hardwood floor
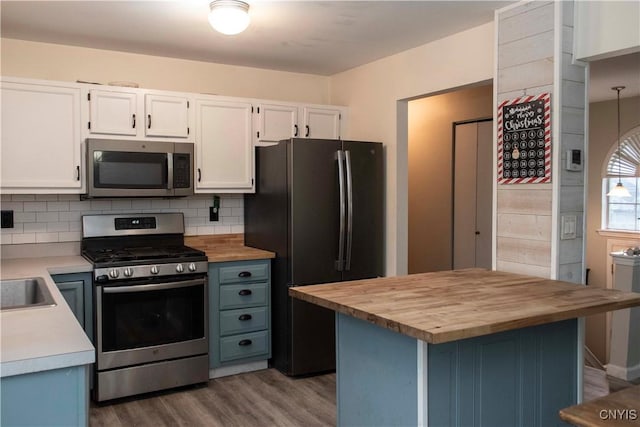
(261, 398)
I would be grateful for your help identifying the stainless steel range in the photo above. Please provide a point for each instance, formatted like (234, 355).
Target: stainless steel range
(150, 304)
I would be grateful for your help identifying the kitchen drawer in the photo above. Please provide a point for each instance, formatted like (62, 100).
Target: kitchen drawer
(243, 320)
(244, 273)
(244, 295)
(245, 345)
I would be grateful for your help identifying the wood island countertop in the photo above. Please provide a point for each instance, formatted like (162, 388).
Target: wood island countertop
(453, 305)
(226, 247)
(618, 409)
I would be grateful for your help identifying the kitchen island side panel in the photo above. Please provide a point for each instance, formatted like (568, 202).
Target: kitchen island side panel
(521, 377)
(377, 375)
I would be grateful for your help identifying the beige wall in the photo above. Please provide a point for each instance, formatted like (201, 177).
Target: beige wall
(602, 136)
(376, 94)
(430, 171)
(71, 63)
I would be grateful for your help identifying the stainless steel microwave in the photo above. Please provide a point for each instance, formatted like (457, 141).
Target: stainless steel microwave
(127, 168)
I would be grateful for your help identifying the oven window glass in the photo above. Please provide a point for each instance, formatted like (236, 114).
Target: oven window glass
(141, 319)
(121, 169)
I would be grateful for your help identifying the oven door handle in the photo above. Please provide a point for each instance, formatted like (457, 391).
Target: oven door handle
(152, 287)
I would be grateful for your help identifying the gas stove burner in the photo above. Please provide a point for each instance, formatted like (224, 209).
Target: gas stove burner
(147, 254)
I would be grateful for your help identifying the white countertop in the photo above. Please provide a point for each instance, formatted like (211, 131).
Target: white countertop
(43, 338)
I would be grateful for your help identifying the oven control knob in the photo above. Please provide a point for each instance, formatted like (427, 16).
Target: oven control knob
(154, 269)
(114, 274)
(192, 267)
(179, 268)
(128, 272)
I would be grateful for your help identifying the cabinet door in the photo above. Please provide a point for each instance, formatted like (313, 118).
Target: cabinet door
(224, 151)
(277, 122)
(73, 293)
(321, 123)
(113, 112)
(166, 116)
(41, 142)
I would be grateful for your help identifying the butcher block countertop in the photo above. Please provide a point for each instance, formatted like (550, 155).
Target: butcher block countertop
(618, 409)
(453, 305)
(226, 247)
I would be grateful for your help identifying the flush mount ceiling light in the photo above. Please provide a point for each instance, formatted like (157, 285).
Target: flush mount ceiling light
(619, 190)
(229, 16)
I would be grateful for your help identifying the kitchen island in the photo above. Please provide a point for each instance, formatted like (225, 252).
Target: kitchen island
(466, 347)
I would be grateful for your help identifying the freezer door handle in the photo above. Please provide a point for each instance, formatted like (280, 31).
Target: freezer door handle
(347, 155)
(343, 208)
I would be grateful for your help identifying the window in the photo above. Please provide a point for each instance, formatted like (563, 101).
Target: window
(623, 213)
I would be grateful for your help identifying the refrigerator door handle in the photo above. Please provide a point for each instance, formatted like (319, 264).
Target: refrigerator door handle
(347, 155)
(341, 183)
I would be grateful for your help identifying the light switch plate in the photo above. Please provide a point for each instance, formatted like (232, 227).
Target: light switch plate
(569, 227)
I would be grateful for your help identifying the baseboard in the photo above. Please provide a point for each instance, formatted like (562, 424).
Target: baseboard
(225, 371)
(626, 373)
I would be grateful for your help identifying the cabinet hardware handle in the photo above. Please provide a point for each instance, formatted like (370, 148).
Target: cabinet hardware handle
(307, 128)
(244, 274)
(244, 343)
(295, 130)
(134, 121)
(244, 317)
(149, 124)
(245, 292)
(77, 173)
(199, 175)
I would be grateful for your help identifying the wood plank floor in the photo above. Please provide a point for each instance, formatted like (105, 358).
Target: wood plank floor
(261, 398)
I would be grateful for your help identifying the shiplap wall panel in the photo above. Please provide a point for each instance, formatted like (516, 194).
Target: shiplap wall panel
(525, 251)
(503, 96)
(531, 74)
(525, 21)
(530, 49)
(531, 227)
(512, 199)
(528, 269)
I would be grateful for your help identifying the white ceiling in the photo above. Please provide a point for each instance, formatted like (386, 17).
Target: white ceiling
(317, 37)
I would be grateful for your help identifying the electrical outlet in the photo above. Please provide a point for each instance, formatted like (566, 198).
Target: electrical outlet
(213, 213)
(7, 219)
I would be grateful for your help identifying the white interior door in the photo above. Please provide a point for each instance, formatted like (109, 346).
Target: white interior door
(472, 175)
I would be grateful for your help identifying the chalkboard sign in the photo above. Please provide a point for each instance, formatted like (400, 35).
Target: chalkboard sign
(524, 140)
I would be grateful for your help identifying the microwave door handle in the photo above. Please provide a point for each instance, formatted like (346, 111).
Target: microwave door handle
(169, 171)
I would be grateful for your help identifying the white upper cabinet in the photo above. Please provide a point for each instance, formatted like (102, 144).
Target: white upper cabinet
(322, 123)
(167, 116)
(277, 122)
(124, 112)
(224, 147)
(41, 137)
(113, 112)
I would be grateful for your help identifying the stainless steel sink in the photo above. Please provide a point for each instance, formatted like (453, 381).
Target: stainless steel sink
(24, 293)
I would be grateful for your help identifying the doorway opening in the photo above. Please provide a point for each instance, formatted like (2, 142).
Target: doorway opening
(432, 177)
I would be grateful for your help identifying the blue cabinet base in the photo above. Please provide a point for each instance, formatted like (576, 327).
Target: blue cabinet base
(515, 378)
(57, 397)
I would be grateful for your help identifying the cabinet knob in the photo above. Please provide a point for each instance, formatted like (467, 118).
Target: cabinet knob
(244, 274)
(308, 131)
(149, 119)
(245, 292)
(244, 343)
(295, 130)
(244, 317)
(134, 121)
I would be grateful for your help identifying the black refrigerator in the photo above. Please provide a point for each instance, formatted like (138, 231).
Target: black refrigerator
(319, 206)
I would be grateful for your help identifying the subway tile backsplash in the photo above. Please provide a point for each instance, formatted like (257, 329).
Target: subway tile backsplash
(45, 218)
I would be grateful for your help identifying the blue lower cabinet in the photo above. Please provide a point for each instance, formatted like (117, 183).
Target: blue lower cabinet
(239, 312)
(59, 397)
(521, 377)
(77, 290)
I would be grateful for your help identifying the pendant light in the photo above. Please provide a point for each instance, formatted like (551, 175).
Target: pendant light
(229, 17)
(619, 190)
